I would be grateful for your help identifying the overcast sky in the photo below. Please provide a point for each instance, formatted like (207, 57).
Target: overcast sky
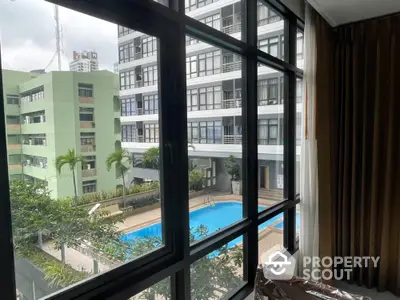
(27, 34)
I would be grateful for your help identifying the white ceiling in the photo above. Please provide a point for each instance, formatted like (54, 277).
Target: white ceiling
(338, 12)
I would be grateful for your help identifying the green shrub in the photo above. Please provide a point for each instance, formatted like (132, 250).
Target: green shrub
(195, 180)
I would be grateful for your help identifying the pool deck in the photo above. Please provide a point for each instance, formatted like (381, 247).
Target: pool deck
(268, 236)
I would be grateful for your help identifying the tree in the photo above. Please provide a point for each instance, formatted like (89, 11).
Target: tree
(232, 168)
(195, 180)
(122, 160)
(212, 276)
(71, 159)
(151, 158)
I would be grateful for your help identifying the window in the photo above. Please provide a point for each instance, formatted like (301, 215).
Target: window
(270, 46)
(128, 133)
(89, 186)
(149, 45)
(12, 99)
(85, 90)
(32, 95)
(191, 66)
(150, 104)
(212, 21)
(266, 15)
(34, 139)
(150, 75)
(126, 53)
(268, 91)
(300, 48)
(128, 107)
(127, 80)
(36, 161)
(151, 133)
(122, 31)
(268, 132)
(201, 265)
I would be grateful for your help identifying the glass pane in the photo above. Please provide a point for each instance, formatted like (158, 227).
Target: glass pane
(270, 136)
(227, 18)
(270, 235)
(70, 225)
(158, 291)
(299, 128)
(214, 179)
(218, 273)
(300, 49)
(270, 31)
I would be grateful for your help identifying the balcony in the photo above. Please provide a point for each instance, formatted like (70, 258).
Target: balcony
(232, 139)
(13, 128)
(88, 148)
(231, 103)
(12, 109)
(87, 124)
(89, 173)
(233, 66)
(88, 100)
(14, 169)
(232, 28)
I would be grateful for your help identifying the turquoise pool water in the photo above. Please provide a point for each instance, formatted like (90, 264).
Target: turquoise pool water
(215, 217)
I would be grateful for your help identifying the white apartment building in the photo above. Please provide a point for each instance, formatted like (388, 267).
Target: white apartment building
(213, 94)
(85, 61)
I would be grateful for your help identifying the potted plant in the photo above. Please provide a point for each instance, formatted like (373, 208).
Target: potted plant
(233, 169)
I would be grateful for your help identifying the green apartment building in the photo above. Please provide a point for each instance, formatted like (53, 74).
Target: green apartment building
(50, 113)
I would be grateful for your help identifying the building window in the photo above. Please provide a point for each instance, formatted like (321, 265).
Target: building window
(128, 133)
(150, 75)
(299, 90)
(149, 46)
(124, 31)
(12, 99)
(88, 138)
(300, 45)
(33, 95)
(210, 63)
(213, 21)
(151, 133)
(127, 80)
(205, 132)
(128, 107)
(36, 161)
(268, 132)
(126, 53)
(150, 104)
(268, 91)
(85, 90)
(89, 186)
(266, 15)
(192, 99)
(210, 98)
(86, 114)
(191, 66)
(270, 45)
(90, 163)
(34, 139)
(33, 118)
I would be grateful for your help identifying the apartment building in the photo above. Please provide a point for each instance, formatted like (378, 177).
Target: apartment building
(85, 61)
(48, 114)
(214, 88)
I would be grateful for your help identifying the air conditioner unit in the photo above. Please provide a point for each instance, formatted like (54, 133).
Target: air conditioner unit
(41, 118)
(88, 166)
(28, 162)
(41, 164)
(30, 141)
(44, 142)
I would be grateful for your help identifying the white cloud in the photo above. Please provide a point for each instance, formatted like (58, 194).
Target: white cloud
(27, 31)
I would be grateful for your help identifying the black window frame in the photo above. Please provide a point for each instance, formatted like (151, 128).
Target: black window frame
(175, 258)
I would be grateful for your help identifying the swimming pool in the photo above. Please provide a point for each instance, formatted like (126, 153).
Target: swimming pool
(215, 217)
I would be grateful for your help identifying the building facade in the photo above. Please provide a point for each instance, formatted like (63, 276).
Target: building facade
(214, 99)
(85, 61)
(40, 128)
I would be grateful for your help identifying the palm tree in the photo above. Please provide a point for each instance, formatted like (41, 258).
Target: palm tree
(122, 160)
(71, 159)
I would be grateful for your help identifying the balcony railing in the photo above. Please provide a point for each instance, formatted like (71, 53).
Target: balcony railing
(232, 28)
(88, 148)
(231, 103)
(88, 172)
(86, 100)
(230, 67)
(232, 139)
(137, 55)
(87, 124)
(17, 167)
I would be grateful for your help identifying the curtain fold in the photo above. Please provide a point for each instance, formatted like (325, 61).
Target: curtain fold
(309, 212)
(359, 145)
